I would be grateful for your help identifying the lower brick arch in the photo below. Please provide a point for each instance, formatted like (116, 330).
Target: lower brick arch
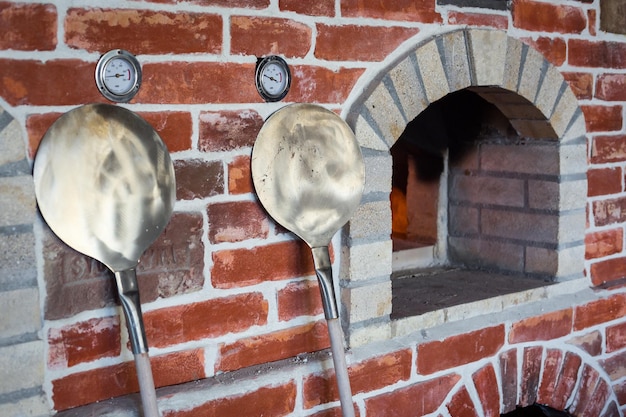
(537, 374)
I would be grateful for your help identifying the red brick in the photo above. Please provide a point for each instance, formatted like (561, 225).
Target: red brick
(608, 272)
(300, 298)
(16, 21)
(242, 267)
(236, 221)
(316, 8)
(478, 19)
(322, 85)
(415, 400)
(197, 83)
(259, 36)
(545, 327)
(27, 82)
(615, 337)
(83, 342)
(337, 412)
(508, 376)
(272, 347)
(546, 17)
(408, 10)
(611, 87)
(553, 49)
(597, 401)
(143, 31)
(603, 181)
(173, 127)
(603, 118)
(581, 84)
(459, 350)
(590, 343)
(113, 381)
(197, 178)
(461, 405)
(357, 42)
(228, 130)
(36, 126)
(608, 149)
(248, 4)
(600, 311)
(597, 54)
(589, 379)
(486, 384)
(551, 369)
(604, 243)
(531, 372)
(567, 380)
(373, 374)
(620, 392)
(201, 320)
(275, 401)
(239, 176)
(615, 366)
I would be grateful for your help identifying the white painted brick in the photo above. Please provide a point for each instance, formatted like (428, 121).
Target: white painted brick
(31, 406)
(367, 137)
(369, 334)
(17, 198)
(386, 114)
(378, 171)
(531, 74)
(433, 74)
(367, 261)
(564, 111)
(488, 53)
(21, 366)
(21, 313)
(456, 60)
(409, 88)
(368, 302)
(371, 221)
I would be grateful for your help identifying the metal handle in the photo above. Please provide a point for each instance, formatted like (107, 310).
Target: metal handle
(323, 270)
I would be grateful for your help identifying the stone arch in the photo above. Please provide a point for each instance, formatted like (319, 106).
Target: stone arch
(505, 72)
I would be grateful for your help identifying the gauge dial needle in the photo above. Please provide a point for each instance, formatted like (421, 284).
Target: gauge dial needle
(271, 78)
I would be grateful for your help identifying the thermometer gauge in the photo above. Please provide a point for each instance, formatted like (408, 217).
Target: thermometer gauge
(273, 78)
(118, 75)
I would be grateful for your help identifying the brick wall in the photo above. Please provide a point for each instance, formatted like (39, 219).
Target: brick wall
(229, 297)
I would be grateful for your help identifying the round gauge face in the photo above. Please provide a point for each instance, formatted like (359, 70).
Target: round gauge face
(273, 78)
(119, 76)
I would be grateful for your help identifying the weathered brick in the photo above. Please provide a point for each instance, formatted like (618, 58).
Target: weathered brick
(486, 384)
(459, 350)
(611, 87)
(236, 221)
(588, 382)
(228, 130)
(242, 267)
(600, 311)
(300, 298)
(197, 178)
(277, 400)
(604, 243)
(143, 31)
(547, 17)
(196, 83)
(259, 36)
(531, 373)
(597, 54)
(508, 376)
(16, 21)
(615, 337)
(421, 11)
(358, 43)
(590, 343)
(372, 374)
(566, 381)
(615, 365)
(112, 381)
(174, 128)
(317, 8)
(272, 347)
(84, 341)
(478, 19)
(608, 149)
(581, 84)
(27, 82)
(551, 370)
(311, 84)
(36, 126)
(603, 118)
(553, 49)
(608, 271)
(596, 401)
(240, 176)
(210, 318)
(603, 181)
(545, 327)
(461, 404)
(401, 402)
